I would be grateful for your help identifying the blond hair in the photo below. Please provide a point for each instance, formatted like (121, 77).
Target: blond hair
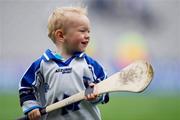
(59, 16)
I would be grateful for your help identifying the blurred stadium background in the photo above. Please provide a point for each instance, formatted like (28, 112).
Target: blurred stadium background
(122, 31)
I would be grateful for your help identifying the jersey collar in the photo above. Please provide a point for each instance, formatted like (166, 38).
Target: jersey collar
(50, 55)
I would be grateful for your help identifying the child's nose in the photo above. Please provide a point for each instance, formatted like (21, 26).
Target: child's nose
(87, 36)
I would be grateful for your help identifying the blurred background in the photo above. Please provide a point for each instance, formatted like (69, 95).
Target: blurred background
(121, 32)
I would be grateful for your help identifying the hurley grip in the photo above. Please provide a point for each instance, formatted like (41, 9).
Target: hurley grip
(23, 118)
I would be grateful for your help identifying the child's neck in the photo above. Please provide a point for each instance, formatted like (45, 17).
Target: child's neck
(64, 53)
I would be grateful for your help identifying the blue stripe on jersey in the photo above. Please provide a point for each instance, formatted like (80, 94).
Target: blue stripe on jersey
(48, 55)
(29, 76)
(26, 89)
(96, 69)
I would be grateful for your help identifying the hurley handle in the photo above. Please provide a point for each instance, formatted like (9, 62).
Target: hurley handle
(80, 96)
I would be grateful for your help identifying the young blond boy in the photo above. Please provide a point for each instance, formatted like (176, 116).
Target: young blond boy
(60, 74)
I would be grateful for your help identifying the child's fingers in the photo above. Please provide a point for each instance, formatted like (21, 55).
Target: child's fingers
(34, 114)
(91, 96)
(94, 95)
(95, 92)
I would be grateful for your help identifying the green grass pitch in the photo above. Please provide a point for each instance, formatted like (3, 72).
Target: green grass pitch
(120, 107)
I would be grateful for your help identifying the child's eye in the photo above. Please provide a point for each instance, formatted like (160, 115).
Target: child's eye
(82, 30)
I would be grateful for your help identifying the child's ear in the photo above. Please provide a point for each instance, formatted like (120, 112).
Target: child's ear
(59, 35)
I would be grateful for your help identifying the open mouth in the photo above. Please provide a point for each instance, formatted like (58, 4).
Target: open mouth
(84, 43)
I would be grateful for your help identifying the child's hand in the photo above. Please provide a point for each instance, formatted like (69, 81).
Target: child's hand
(93, 95)
(34, 114)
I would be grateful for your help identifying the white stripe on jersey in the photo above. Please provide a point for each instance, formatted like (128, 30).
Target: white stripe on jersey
(81, 54)
(47, 58)
(25, 87)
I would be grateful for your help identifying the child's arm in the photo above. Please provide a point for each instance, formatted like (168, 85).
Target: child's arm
(27, 96)
(99, 75)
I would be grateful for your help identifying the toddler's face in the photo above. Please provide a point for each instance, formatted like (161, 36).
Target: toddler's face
(77, 36)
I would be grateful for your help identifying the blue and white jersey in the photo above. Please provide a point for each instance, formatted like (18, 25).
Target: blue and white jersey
(51, 79)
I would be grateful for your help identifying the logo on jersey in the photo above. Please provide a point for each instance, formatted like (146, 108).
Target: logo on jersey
(64, 70)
